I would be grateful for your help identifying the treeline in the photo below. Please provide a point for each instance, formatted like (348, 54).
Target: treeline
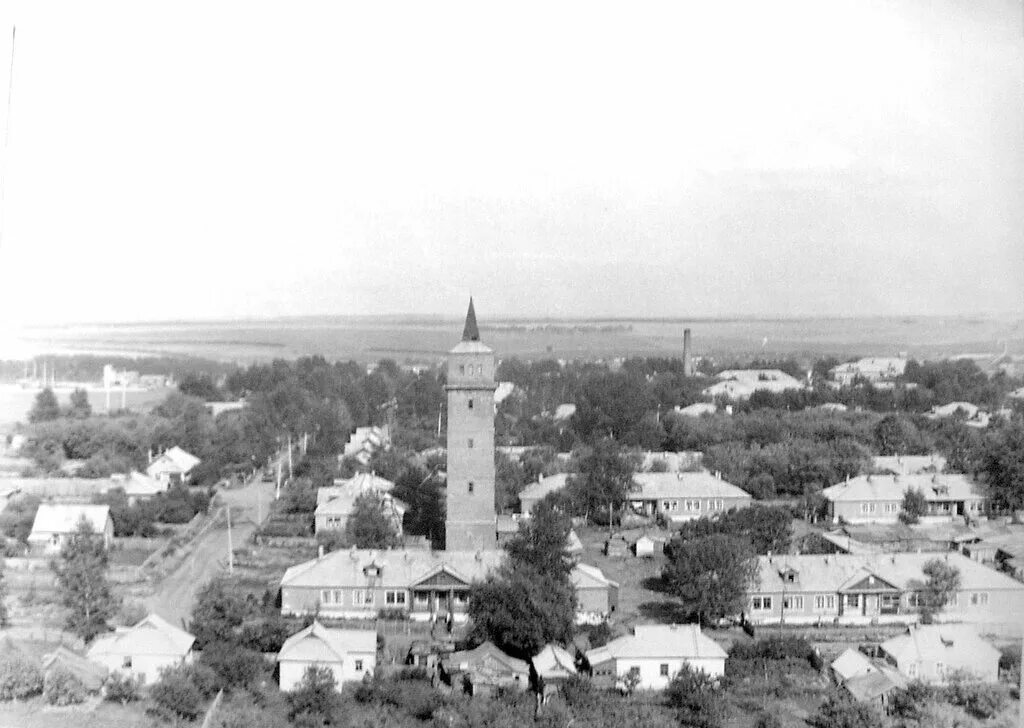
(89, 368)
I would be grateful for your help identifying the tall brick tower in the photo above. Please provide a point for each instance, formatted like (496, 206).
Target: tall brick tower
(471, 522)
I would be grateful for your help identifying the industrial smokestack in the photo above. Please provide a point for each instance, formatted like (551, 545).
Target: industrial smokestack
(687, 355)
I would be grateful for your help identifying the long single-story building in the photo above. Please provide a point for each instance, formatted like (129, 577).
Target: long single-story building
(656, 653)
(679, 497)
(173, 466)
(935, 652)
(56, 523)
(861, 589)
(143, 650)
(879, 498)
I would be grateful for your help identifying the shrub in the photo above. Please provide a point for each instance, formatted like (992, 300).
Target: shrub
(60, 687)
(979, 699)
(767, 720)
(695, 696)
(234, 666)
(176, 693)
(839, 711)
(120, 688)
(19, 677)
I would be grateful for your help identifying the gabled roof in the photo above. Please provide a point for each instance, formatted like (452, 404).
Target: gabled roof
(139, 484)
(873, 685)
(399, 568)
(702, 484)
(486, 656)
(89, 673)
(64, 518)
(851, 664)
(946, 643)
(317, 643)
(830, 573)
(934, 487)
(544, 486)
(152, 636)
(909, 464)
(174, 460)
(584, 576)
(554, 662)
(660, 640)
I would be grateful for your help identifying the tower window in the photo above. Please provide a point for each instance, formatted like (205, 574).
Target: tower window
(462, 368)
(469, 487)
(469, 443)
(471, 403)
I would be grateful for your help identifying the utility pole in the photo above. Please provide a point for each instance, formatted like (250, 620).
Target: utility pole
(231, 551)
(277, 493)
(291, 471)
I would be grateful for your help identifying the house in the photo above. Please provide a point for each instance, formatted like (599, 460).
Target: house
(365, 441)
(334, 504)
(173, 466)
(144, 649)
(869, 369)
(679, 497)
(138, 486)
(971, 414)
(656, 653)
(740, 384)
(697, 409)
(935, 652)
(534, 493)
(908, 464)
(90, 674)
(357, 583)
(859, 589)
(851, 663)
(552, 667)
(879, 498)
(350, 654)
(597, 596)
(56, 523)
(480, 670)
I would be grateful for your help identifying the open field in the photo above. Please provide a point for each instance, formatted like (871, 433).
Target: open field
(35, 713)
(428, 338)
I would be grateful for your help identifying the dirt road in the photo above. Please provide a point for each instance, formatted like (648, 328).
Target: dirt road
(174, 595)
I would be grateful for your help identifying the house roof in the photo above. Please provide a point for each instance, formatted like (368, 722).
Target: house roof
(398, 568)
(340, 498)
(584, 576)
(64, 518)
(873, 685)
(564, 411)
(152, 636)
(948, 410)
(696, 409)
(935, 487)
(322, 644)
(946, 643)
(553, 662)
(660, 640)
(852, 663)
(174, 460)
(833, 572)
(701, 484)
(486, 656)
(544, 486)
(909, 464)
(138, 484)
(89, 673)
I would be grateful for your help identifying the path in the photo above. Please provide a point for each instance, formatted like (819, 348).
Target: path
(173, 597)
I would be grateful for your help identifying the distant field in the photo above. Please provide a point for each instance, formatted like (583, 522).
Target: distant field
(427, 339)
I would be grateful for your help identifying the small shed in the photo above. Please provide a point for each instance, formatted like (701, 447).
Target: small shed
(90, 674)
(616, 546)
(484, 668)
(644, 546)
(551, 668)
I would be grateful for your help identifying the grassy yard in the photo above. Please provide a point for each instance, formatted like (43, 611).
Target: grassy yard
(35, 713)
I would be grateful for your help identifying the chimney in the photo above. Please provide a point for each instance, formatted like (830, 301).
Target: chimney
(687, 355)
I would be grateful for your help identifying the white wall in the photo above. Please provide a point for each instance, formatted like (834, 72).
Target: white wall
(650, 669)
(345, 671)
(145, 667)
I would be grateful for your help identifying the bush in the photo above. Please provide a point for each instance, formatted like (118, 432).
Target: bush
(181, 690)
(121, 689)
(19, 677)
(840, 711)
(234, 666)
(979, 699)
(60, 687)
(767, 720)
(695, 696)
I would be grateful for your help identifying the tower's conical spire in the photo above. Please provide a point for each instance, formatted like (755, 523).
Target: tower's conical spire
(470, 332)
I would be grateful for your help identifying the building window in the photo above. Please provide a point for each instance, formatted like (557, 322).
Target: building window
(469, 442)
(422, 598)
(127, 662)
(663, 669)
(394, 598)
(471, 403)
(979, 599)
(469, 487)
(793, 603)
(462, 368)
(912, 670)
(359, 665)
(853, 600)
(362, 597)
(761, 603)
(825, 601)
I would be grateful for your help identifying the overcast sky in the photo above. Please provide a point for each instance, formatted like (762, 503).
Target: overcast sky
(209, 159)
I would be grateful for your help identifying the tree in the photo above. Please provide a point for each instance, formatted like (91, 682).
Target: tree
(177, 693)
(915, 505)
(80, 407)
(941, 583)
(1002, 462)
(604, 479)
(235, 666)
(711, 575)
(82, 576)
(218, 613)
(695, 696)
(521, 609)
(315, 695)
(897, 435)
(45, 407)
(542, 541)
(368, 527)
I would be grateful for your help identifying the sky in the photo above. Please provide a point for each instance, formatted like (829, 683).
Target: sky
(203, 160)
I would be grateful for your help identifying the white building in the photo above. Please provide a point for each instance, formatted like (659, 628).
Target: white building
(144, 649)
(334, 504)
(350, 654)
(656, 653)
(173, 466)
(56, 523)
(740, 384)
(870, 369)
(935, 652)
